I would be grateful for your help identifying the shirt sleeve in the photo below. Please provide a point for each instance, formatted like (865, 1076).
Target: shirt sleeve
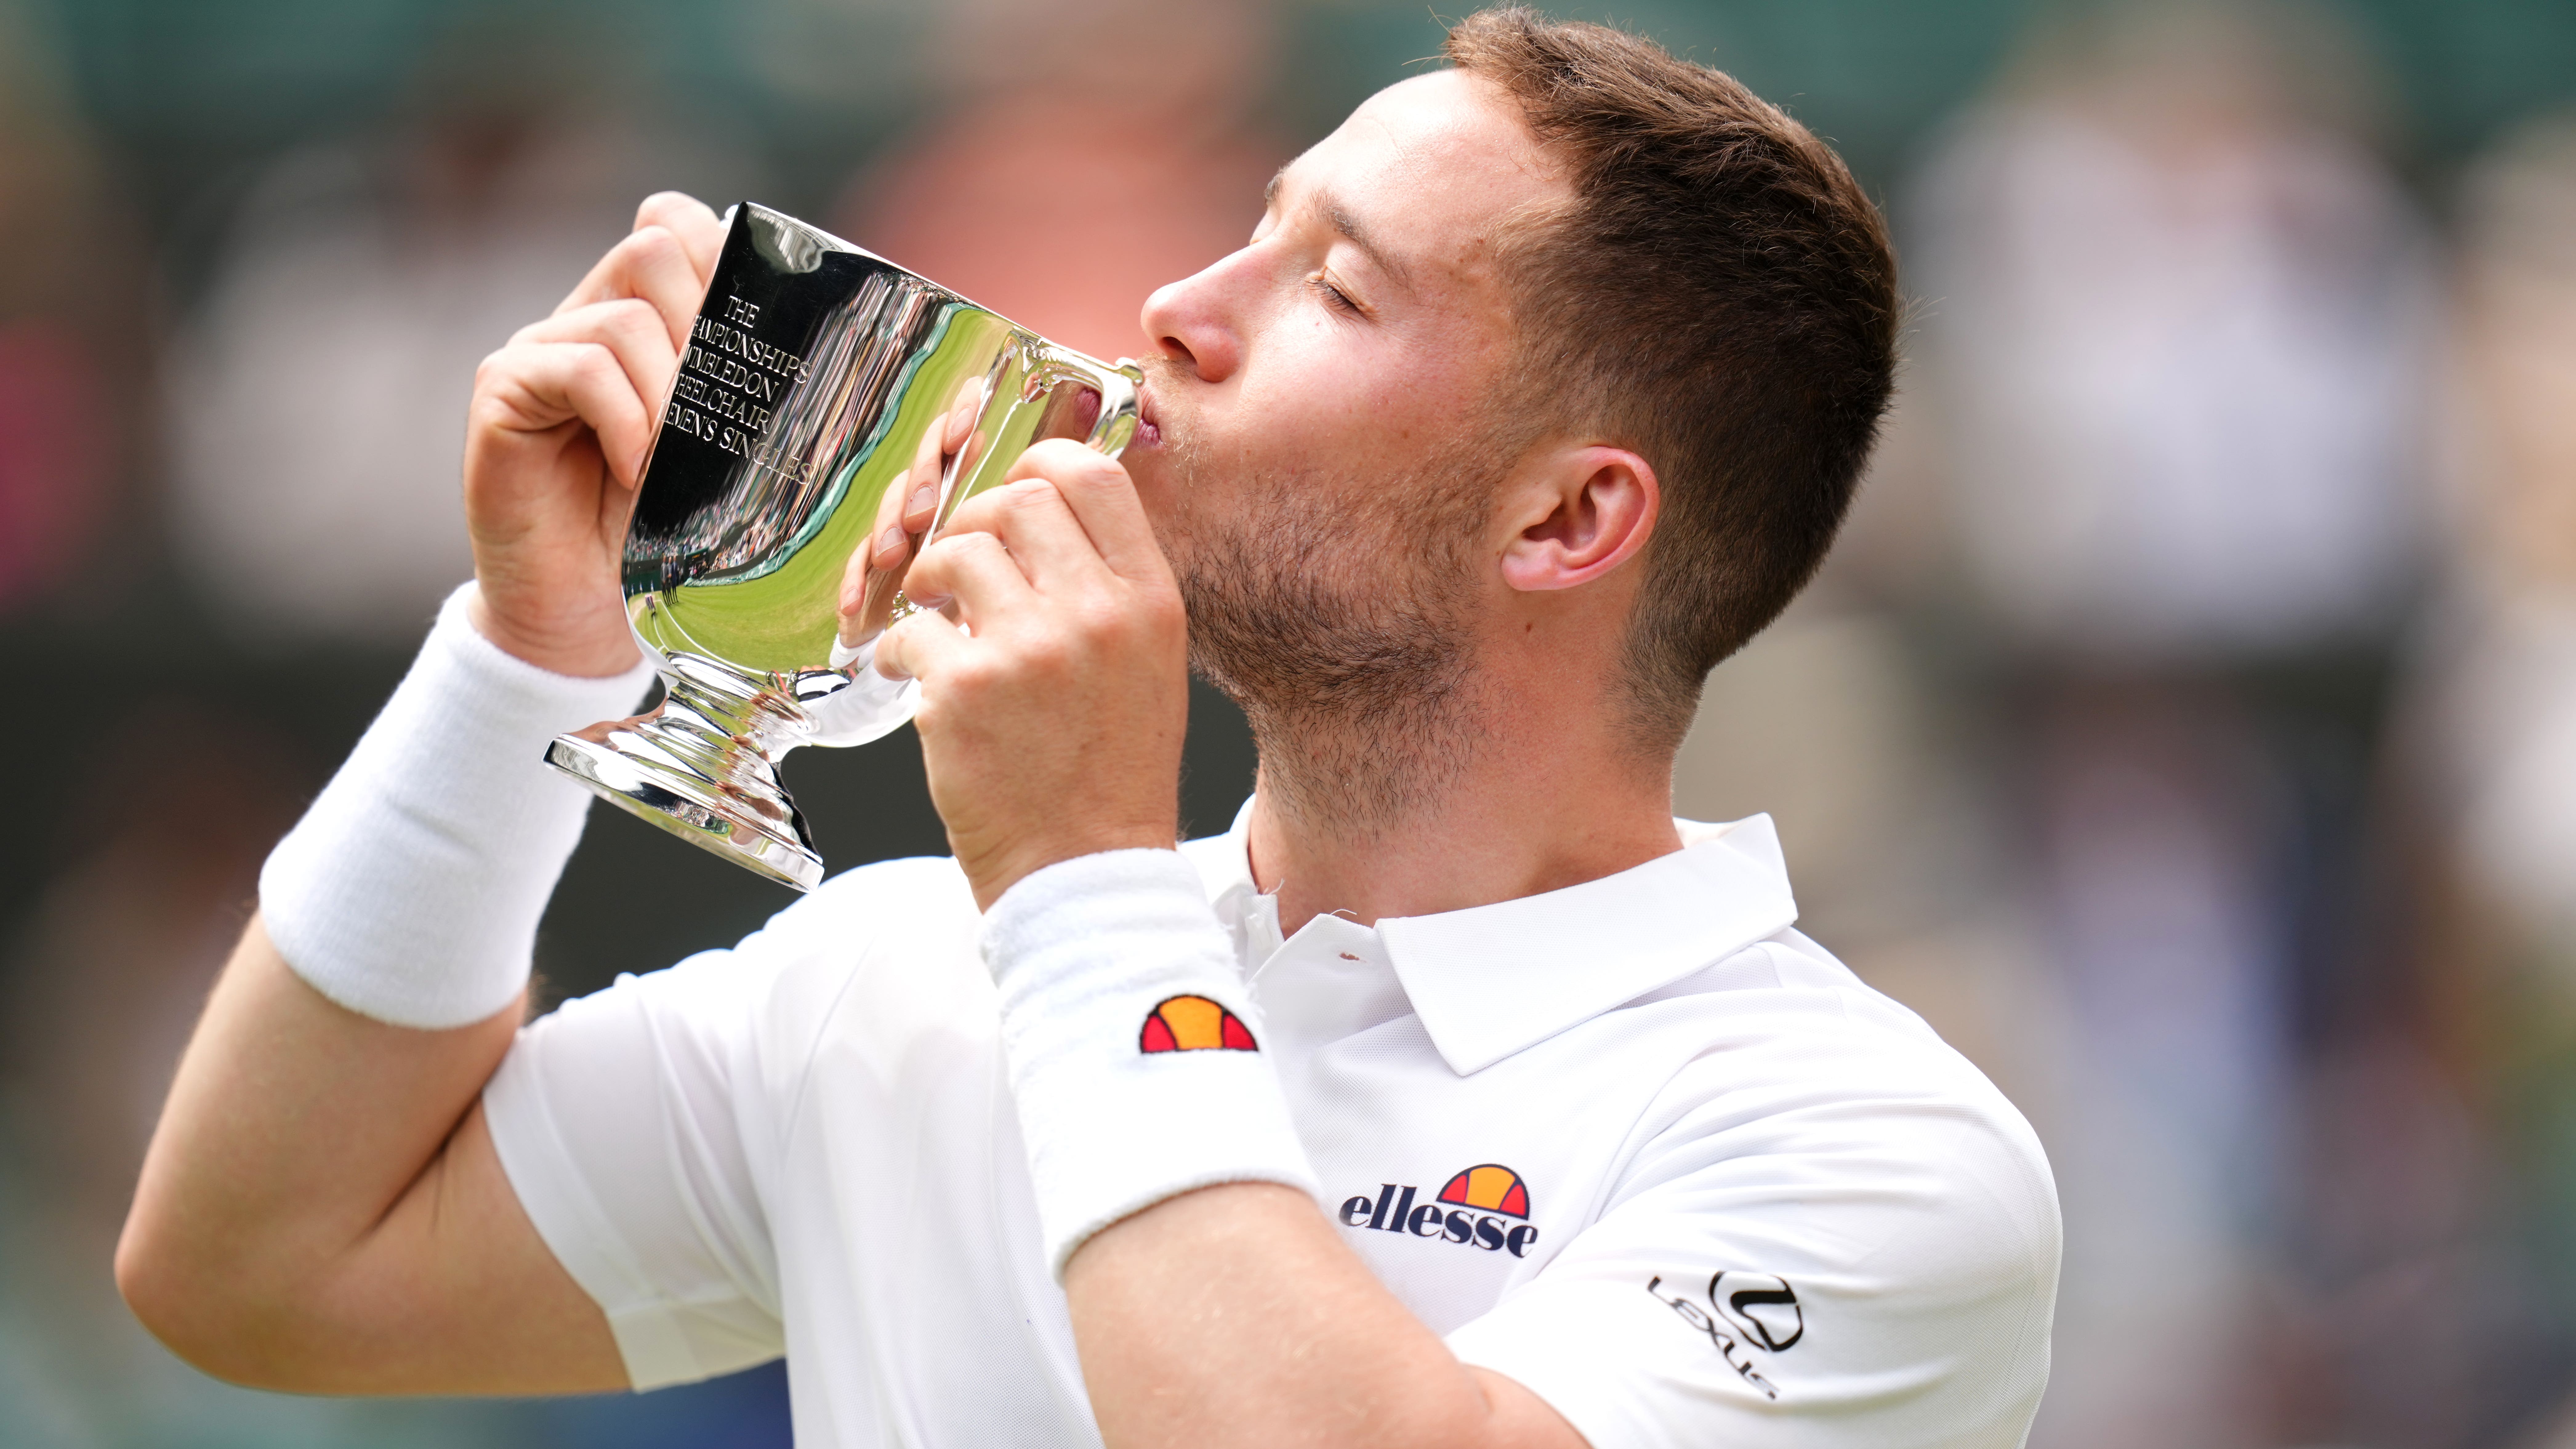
(1863, 1268)
(632, 1126)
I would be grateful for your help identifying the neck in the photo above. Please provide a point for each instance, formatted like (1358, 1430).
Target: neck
(1529, 802)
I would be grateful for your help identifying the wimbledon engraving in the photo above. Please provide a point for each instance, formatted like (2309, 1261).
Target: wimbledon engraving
(728, 389)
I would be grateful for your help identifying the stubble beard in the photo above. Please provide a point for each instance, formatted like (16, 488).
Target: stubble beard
(1343, 632)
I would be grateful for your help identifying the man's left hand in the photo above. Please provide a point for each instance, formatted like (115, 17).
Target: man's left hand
(1052, 655)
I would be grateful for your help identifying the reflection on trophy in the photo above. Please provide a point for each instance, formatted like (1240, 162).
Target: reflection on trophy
(821, 389)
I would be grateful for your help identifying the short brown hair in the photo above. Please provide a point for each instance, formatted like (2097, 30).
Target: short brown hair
(1721, 298)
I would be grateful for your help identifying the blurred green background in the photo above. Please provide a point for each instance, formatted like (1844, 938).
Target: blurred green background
(2237, 857)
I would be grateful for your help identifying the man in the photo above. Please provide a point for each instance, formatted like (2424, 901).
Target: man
(1457, 1097)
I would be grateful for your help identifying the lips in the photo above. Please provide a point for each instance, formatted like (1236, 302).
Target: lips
(1149, 431)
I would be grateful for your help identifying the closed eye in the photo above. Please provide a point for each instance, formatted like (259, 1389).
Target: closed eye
(1334, 297)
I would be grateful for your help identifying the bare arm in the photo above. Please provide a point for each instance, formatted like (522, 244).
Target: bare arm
(1232, 1316)
(322, 1208)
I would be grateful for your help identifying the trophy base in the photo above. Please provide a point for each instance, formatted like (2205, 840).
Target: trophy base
(719, 794)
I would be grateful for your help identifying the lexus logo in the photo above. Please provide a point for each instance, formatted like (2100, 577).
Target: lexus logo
(1740, 1314)
(1760, 1307)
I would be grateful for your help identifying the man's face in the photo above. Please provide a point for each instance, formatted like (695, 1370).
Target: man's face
(1322, 452)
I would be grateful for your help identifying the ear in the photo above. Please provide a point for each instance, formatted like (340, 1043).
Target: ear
(1580, 512)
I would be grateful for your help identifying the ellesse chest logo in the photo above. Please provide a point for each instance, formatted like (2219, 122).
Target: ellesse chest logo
(1486, 1206)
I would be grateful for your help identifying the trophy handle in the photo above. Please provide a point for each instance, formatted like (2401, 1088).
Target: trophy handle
(1035, 391)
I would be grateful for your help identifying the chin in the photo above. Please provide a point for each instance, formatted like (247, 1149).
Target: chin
(1156, 489)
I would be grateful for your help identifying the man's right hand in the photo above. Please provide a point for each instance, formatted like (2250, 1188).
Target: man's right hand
(556, 437)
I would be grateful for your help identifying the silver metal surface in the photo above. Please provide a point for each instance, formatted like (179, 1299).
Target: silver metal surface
(821, 387)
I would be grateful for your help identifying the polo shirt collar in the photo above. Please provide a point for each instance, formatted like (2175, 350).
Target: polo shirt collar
(1492, 980)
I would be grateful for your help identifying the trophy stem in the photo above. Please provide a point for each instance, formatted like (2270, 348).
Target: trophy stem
(700, 767)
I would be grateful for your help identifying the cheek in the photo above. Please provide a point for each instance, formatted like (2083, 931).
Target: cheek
(1358, 405)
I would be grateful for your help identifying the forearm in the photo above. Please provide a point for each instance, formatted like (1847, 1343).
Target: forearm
(1231, 1316)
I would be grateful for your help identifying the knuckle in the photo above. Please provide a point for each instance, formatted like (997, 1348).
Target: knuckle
(973, 674)
(1101, 621)
(661, 204)
(593, 362)
(1026, 496)
(1047, 652)
(651, 239)
(636, 316)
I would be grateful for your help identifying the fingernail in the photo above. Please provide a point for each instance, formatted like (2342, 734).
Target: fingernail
(922, 498)
(890, 543)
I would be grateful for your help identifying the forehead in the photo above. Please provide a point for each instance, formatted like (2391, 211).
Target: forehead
(1434, 165)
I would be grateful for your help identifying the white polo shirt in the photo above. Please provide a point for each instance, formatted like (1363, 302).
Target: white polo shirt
(1636, 1144)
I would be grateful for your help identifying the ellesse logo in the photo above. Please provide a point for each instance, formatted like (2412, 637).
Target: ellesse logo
(1478, 1208)
(1193, 1024)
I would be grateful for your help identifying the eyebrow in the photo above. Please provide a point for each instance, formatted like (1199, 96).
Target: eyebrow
(1349, 227)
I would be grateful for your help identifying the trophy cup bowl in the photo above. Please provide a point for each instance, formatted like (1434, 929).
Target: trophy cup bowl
(821, 385)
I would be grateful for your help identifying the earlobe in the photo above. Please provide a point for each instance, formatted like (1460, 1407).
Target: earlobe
(1600, 505)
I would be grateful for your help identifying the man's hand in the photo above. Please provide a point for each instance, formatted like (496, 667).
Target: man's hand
(1054, 678)
(556, 436)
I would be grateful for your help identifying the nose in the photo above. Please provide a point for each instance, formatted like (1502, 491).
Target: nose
(1197, 321)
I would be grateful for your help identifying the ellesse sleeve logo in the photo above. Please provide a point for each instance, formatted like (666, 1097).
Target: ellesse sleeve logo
(1194, 1024)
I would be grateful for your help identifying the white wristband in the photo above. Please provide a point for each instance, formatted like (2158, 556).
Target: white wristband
(1133, 1049)
(410, 891)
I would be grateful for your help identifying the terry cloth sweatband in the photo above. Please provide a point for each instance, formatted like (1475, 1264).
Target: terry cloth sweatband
(410, 891)
(1134, 1053)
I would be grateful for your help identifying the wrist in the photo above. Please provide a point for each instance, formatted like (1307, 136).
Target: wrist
(411, 889)
(1134, 1048)
(992, 874)
(586, 642)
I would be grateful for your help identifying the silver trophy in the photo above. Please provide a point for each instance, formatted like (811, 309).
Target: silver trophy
(822, 387)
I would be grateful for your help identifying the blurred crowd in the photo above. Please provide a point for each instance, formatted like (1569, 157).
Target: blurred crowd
(2186, 726)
